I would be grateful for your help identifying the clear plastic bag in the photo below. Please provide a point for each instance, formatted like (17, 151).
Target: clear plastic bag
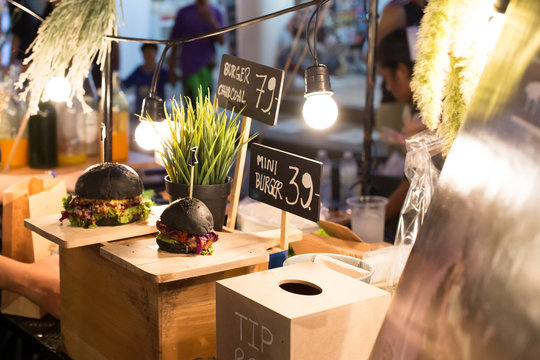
(423, 164)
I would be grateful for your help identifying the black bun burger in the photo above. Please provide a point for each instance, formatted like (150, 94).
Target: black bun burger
(106, 195)
(186, 226)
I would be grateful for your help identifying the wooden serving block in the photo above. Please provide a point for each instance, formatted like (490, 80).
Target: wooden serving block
(68, 236)
(129, 300)
(144, 258)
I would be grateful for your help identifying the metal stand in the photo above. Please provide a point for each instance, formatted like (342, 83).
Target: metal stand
(369, 119)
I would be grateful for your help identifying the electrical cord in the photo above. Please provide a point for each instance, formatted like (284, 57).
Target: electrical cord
(157, 69)
(315, 14)
(313, 51)
(307, 34)
(171, 43)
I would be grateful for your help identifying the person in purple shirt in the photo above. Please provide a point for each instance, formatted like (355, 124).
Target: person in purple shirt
(197, 58)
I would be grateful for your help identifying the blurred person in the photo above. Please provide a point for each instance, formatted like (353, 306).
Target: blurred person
(141, 77)
(395, 61)
(397, 14)
(38, 281)
(24, 27)
(197, 58)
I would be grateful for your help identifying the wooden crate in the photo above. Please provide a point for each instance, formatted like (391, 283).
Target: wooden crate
(131, 301)
(258, 319)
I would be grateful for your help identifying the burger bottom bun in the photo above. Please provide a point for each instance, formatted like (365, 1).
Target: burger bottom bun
(177, 249)
(114, 222)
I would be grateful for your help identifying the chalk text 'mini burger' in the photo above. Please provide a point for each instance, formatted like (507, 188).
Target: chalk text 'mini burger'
(186, 226)
(106, 194)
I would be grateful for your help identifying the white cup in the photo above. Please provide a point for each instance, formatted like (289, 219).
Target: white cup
(367, 217)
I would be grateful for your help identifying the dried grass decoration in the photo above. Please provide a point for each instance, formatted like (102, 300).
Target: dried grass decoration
(215, 134)
(68, 41)
(454, 40)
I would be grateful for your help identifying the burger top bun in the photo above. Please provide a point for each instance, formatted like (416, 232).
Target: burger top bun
(109, 181)
(188, 215)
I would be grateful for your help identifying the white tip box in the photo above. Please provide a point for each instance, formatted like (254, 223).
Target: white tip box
(256, 318)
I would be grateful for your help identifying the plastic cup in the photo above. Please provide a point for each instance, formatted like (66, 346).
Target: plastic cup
(367, 217)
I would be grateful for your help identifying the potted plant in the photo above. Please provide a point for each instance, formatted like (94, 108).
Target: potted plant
(217, 138)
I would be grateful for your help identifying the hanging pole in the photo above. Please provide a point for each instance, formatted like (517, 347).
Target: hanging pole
(218, 31)
(369, 118)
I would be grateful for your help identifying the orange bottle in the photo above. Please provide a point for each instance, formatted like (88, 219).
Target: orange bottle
(120, 118)
(11, 114)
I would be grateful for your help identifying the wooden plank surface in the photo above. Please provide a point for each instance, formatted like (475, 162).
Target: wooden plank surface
(143, 257)
(68, 236)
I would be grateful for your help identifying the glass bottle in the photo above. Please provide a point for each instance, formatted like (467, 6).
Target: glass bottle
(120, 118)
(91, 119)
(70, 132)
(326, 179)
(42, 147)
(11, 115)
(348, 170)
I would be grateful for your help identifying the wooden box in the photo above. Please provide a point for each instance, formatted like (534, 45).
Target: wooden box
(302, 311)
(130, 300)
(133, 301)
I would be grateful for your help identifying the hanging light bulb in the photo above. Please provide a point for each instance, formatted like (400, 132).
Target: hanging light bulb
(148, 134)
(320, 110)
(58, 89)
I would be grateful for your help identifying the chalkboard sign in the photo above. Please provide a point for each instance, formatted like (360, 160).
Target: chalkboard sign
(286, 181)
(250, 86)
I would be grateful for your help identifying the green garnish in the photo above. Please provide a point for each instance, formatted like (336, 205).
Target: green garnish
(209, 251)
(167, 239)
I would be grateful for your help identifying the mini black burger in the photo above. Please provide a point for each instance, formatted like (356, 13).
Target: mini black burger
(106, 195)
(186, 226)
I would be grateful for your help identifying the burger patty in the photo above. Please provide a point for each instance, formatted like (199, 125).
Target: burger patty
(86, 212)
(98, 205)
(195, 243)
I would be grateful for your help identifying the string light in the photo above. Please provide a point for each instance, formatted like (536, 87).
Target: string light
(58, 89)
(148, 134)
(320, 110)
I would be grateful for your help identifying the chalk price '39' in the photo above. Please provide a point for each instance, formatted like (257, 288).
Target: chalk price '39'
(307, 183)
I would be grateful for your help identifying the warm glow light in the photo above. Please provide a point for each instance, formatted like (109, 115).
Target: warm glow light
(320, 110)
(494, 29)
(148, 134)
(58, 89)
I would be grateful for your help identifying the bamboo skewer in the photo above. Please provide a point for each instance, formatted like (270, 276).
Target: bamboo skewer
(192, 161)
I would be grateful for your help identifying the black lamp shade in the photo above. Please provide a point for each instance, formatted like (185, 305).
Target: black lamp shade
(501, 5)
(152, 106)
(317, 79)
